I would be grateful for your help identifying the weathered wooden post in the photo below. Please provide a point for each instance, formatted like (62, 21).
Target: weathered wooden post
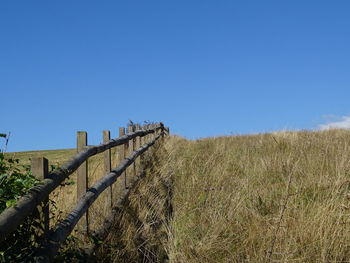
(142, 142)
(124, 152)
(161, 131)
(154, 133)
(131, 128)
(138, 145)
(147, 136)
(82, 181)
(40, 169)
(149, 127)
(141, 138)
(107, 165)
(137, 139)
(134, 148)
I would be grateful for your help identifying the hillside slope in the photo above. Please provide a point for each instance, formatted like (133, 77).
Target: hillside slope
(279, 197)
(56, 157)
(282, 197)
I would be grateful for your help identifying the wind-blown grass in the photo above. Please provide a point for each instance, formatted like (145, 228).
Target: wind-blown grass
(279, 197)
(282, 197)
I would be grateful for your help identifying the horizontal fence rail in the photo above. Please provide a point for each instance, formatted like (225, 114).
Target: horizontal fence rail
(49, 249)
(12, 217)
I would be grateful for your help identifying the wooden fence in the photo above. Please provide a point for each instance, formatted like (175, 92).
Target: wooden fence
(136, 141)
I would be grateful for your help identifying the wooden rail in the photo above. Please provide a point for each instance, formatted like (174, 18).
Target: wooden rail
(49, 249)
(12, 217)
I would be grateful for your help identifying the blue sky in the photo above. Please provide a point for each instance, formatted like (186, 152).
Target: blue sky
(204, 68)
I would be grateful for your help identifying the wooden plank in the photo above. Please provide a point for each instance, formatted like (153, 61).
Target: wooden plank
(40, 169)
(49, 248)
(82, 181)
(11, 217)
(107, 165)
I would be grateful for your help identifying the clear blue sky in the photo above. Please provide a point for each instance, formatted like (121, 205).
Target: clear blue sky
(204, 68)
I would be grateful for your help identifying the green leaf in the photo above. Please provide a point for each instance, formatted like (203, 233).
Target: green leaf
(10, 203)
(68, 183)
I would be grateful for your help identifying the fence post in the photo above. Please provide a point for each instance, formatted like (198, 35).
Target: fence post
(151, 134)
(142, 142)
(107, 164)
(138, 145)
(134, 147)
(154, 133)
(124, 152)
(82, 181)
(40, 169)
(142, 139)
(131, 128)
(147, 136)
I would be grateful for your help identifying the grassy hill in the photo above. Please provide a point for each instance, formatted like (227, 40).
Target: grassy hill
(56, 157)
(278, 197)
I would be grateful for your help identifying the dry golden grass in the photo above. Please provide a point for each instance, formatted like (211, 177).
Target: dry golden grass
(281, 197)
(141, 225)
(56, 157)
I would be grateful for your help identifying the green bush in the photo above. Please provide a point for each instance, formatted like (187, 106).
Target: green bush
(15, 181)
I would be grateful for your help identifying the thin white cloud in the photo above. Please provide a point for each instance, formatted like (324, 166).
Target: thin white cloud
(341, 123)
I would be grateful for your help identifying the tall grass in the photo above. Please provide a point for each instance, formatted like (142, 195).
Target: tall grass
(141, 225)
(278, 197)
(282, 197)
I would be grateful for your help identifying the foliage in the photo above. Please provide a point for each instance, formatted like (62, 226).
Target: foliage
(15, 181)
(70, 251)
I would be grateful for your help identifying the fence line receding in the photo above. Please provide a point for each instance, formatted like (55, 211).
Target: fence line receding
(138, 140)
